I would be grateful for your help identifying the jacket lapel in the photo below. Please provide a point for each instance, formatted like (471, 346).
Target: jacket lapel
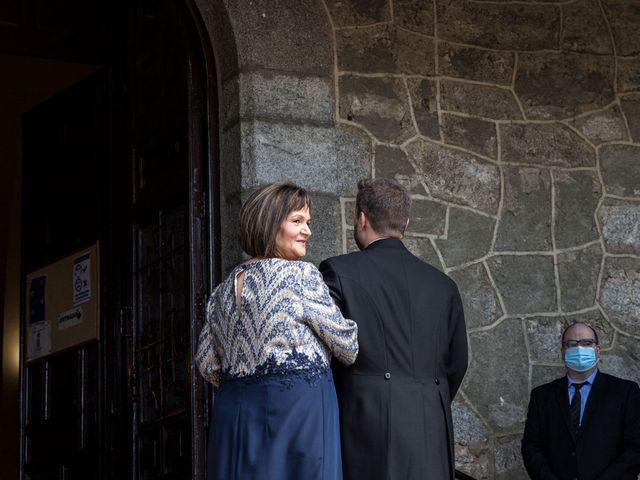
(562, 397)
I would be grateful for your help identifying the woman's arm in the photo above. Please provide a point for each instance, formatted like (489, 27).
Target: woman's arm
(324, 317)
(207, 357)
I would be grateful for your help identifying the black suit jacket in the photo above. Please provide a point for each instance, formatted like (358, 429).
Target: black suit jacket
(395, 399)
(607, 446)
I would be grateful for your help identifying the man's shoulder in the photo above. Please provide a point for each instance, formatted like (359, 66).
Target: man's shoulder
(342, 264)
(616, 382)
(341, 261)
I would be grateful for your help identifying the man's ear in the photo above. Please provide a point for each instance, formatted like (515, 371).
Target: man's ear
(363, 220)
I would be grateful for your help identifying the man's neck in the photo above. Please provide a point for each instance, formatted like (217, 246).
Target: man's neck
(580, 376)
(382, 237)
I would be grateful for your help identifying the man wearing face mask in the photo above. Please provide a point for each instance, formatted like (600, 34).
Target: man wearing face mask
(585, 425)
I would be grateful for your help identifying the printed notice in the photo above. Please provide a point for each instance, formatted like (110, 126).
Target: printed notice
(82, 279)
(70, 318)
(39, 340)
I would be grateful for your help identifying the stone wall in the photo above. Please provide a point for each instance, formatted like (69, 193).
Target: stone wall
(516, 127)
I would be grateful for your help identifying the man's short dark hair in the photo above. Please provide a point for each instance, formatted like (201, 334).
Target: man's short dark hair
(595, 334)
(385, 202)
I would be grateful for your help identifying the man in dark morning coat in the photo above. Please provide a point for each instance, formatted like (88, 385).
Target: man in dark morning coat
(395, 399)
(585, 425)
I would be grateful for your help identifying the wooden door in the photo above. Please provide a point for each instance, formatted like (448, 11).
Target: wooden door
(170, 246)
(127, 157)
(67, 145)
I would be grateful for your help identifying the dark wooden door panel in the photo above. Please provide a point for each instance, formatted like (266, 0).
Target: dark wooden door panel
(66, 146)
(132, 404)
(160, 136)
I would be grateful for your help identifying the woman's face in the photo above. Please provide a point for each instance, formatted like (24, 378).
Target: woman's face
(291, 241)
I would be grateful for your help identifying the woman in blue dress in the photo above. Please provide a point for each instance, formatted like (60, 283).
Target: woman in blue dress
(270, 332)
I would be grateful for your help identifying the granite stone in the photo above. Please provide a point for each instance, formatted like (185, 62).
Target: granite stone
(542, 374)
(561, 85)
(316, 158)
(544, 336)
(415, 54)
(577, 194)
(578, 273)
(381, 105)
(531, 27)
(620, 293)
(231, 159)
(526, 282)
(631, 107)
(628, 78)
(624, 360)
(478, 64)
(525, 221)
(479, 298)
(392, 162)
(384, 49)
(347, 13)
(230, 98)
(349, 212)
(468, 238)
(353, 159)
(286, 35)
(424, 100)
(620, 168)
(584, 29)
(267, 95)
(470, 133)
(509, 464)
(326, 238)
(476, 461)
(497, 379)
(414, 15)
(624, 17)
(427, 217)
(602, 126)
(620, 221)
(456, 176)
(478, 100)
(229, 209)
(548, 144)
(423, 249)
(230, 194)
(468, 428)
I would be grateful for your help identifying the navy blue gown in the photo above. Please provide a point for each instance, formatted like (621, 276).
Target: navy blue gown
(275, 412)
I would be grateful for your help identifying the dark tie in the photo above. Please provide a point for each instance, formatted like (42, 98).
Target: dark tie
(574, 408)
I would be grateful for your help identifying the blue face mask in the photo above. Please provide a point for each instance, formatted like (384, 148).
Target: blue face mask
(580, 359)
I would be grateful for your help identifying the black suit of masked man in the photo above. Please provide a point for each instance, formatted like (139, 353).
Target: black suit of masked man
(395, 415)
(585, 425)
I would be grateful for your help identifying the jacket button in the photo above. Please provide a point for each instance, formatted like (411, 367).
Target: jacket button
(436, 381)
(387, 375)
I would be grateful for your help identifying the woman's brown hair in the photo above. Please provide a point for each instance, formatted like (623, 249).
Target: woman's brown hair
(264, 211)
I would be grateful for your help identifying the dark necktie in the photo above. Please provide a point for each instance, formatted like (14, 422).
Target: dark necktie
(574, 408)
